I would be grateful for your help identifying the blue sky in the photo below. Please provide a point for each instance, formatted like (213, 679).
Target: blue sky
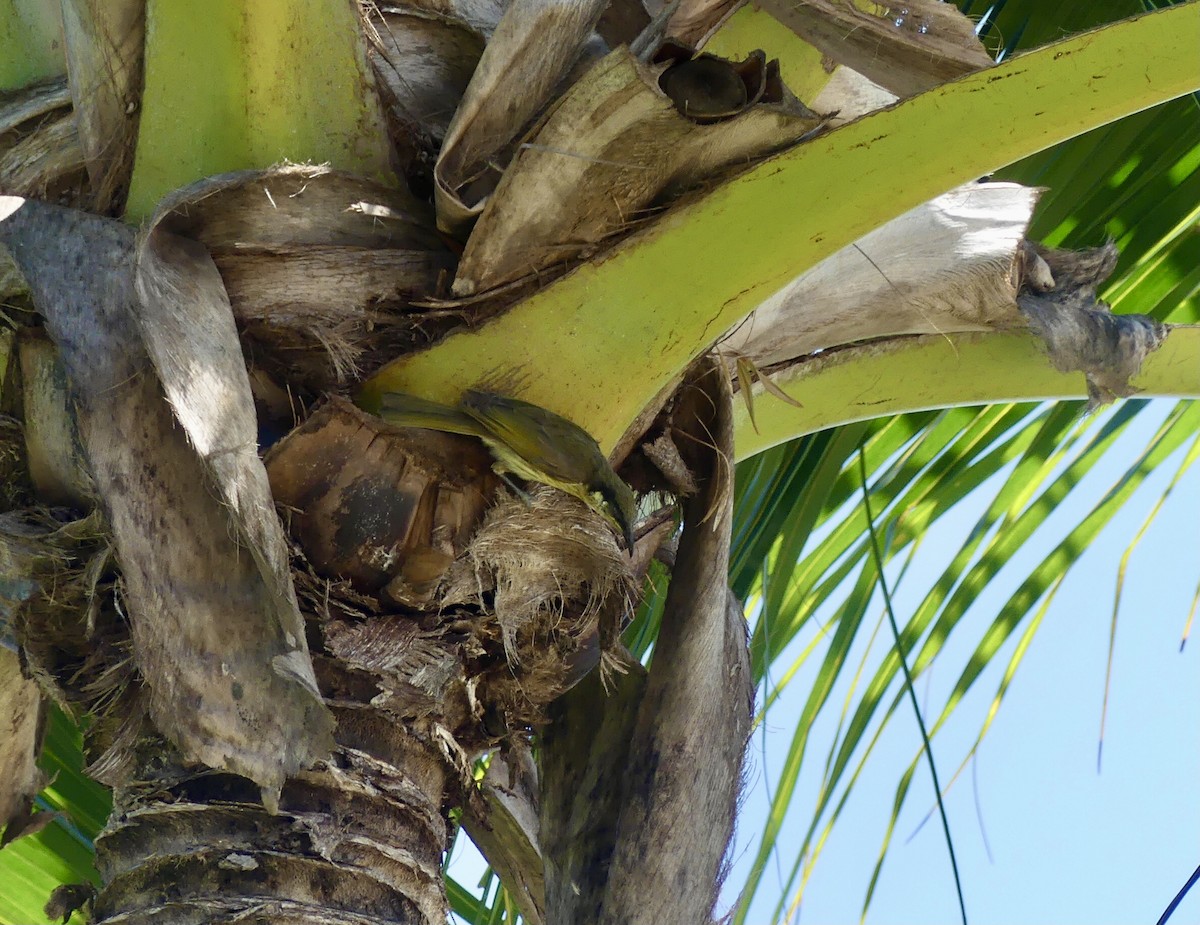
(1068, 844)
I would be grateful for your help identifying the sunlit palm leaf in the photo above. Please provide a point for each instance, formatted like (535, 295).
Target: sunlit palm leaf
(1136, 181)
(62, 852)
(1034, 487)
(1189, 460)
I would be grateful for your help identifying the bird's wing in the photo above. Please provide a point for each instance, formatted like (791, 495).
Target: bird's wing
(557, 447)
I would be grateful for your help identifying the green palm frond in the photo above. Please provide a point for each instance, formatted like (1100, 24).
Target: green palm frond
(1136, 181)
(32, 867)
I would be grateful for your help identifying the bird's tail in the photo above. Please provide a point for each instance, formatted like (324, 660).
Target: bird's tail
(404, 410)
(621, 504)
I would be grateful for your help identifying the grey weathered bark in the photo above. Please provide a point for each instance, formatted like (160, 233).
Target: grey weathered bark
(685, 764)
(188, 598)
(585, 752)
(640, 784)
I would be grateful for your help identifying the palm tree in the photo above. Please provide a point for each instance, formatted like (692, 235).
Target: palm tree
(290, 707)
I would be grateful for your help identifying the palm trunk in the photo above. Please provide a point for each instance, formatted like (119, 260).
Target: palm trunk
(358, 839)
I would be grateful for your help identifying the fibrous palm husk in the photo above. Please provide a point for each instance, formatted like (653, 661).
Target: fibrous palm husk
(47, 162)
(558, 586)
(1080, 332)
(625, 138)
(53, 453)
(19, 109)
(40, 155)
(693, 21)
(58, 600)
(419, 580)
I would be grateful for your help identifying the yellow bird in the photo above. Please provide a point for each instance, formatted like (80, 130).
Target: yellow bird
(528, 442)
